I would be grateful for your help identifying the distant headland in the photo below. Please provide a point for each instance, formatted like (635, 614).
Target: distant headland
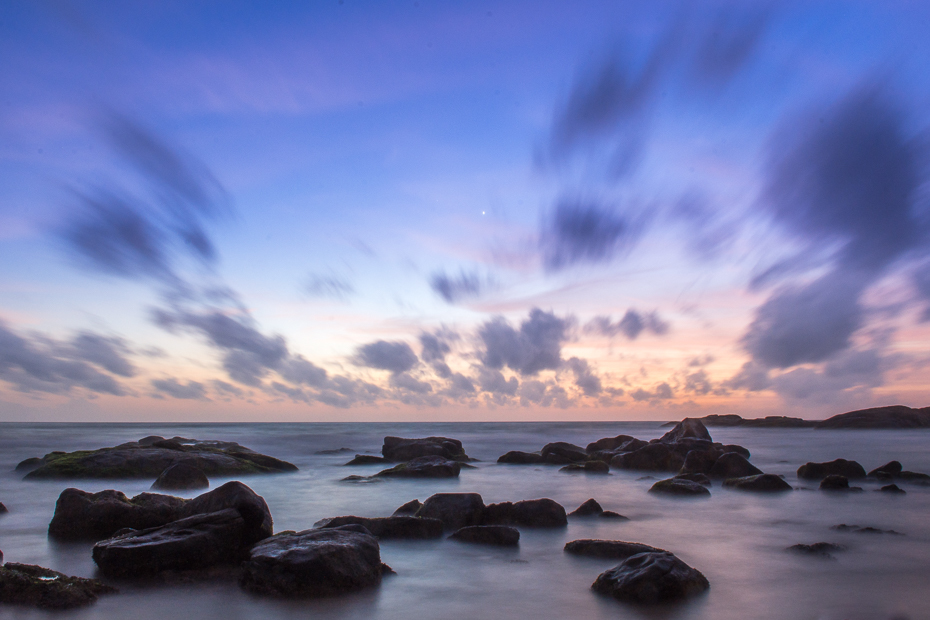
(894, 416)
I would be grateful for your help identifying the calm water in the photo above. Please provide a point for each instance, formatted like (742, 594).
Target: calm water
(737, 540)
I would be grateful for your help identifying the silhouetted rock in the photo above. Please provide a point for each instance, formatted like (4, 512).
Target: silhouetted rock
(608, 443)
(732, 465)
(893, 488)
(743, 452)
(590, 467)
(588, 508)
(455, 510)
(699, 461)
(613, 549)
(821, 549)
(398, 449)
(651, 457)
(562, 453)
(699, 478)
(424, 467)
(500, 535)
(834, 482)
(890, 469)
(913, 476)
(689, 428)
(404, 527)
(610, 514)
(181, 476)
(651, 578)
(26, 584)
(80, 515)
(368, 459)
(840, 467)
(409, 509)
(679, 486)
(764, 483)
(856, 529)
(3, 509)
(529, 513)
(313, 563)
(896, 416)
(515, 457)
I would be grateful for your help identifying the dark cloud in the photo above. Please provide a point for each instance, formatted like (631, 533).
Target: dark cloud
(465, 285)
(853, 372)
(579, 231)
(107, 352)
(585, 378)
(632, 324)
(435, 347)
(752, 377)
(460, 385)
(132, 236)
(226, 389)
(663, 391)
(331, 287)
(493, 381)
(172, 387)
(727, 46)
(396, 357)
(404, 381)
(536, 346)
(298, 370)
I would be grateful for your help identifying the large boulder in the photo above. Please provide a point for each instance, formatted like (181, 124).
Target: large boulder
(454, 510)
(733, 465)
(529, 513)
(398, 449)
(197, 542)
(887, 471)
(80, 515)
(608, 443)
(763, 483)
(409, 509)
(181, 476)
(840, 467)
(651, 457)
(689, 428)
(613, 549)
(500, 535)
(587, 509)
(562, 453)
(234, 494)
(516, 457)
(313, 563)
(699, 462)
(423, 467)
(651, 578)
(679, 487)
(391, 527)
(151, 456)
(26, 584)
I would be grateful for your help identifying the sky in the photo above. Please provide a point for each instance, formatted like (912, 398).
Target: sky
(354, 210)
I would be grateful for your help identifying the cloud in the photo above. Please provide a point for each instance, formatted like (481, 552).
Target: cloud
(404, 381)
(585, 378)
(727, 46)
(852, 372)
(698, 383)
(226, 389)
(579, 231)
(298, 370)
(107, 352)
(493, 381)
(192, 390)
(435, 347)
(632, 324)
(396, 357)
(751, 376)
(330, 287)
(457, 288)
(663, 391)
(536, 346)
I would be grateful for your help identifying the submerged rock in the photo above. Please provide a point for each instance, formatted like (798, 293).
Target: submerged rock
(562, 453)
(764, 483)
(403, 527)
(840, 467)
(3, 509)
(454, 510)
(856, 529)
(837, 483)
(27, 465)
(313, 563)
(181, 476)
(679, 487)
(424, 467)
(516, 457)
(500, 535)
(889, 469)
(893, 488)
(368, 459)
(590, 467)
(699, 478)
(821, 549)
(651, 578)
(529, 513)
(27, 584)
(399, 449)
(588, 508)
(613, 549)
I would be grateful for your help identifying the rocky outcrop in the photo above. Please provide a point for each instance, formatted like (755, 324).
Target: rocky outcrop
(499, 535)
(312, 563)
(197, 542)
(181, 476)
(612, 549)
(868, 529)
(399, 527)
(528, 513)
(761, 483)
(398, 449)
(409, 509)
(651, 578)
(679, 487)
(454, 510)
(699, 478)
(732, 465)
(27, 465)
(423, 467)
(248, 503)
(896, 416)
(35, 586)
(772, 421)
(516, 457)
(149, 457)
(689, 428)
(839, 467)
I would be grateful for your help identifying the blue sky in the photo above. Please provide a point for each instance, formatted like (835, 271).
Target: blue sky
(442, 210)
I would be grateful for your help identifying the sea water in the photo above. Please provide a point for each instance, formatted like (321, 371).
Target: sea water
(736, 539)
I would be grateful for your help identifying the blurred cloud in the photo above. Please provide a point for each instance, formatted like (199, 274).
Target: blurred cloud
(434, 348)
(328, 287)
(663, 391)
(192, 390)
(465, 285)
(585, 378)
(580, 231)
(396, 357)
(632, 324)
(536, 346)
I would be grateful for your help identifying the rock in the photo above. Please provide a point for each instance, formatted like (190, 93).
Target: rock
(588, 508)
(913, 475)
(409, 509)
(743, 452)
(608, 443)
(821, 549)
(732, 465)
(679, 486)
(834, 482)
(764, 483)
(334, 451)
(699, 478)
(610, 514)
(181, 477)
(529, 513)
(772, 421)
(94, 516)
(500, 535)
(515, 457)
(840, 467)
(687, 428)
(455, 510)
(891, 468)
(651, 457)
(398, 449)
(29, 464)
(197, 542)
(148, 460)
(855, 529)
(424, 467)
(234, 494)
(26, 584)
(896, 416)
(613, 549)
(3, 509)
(562, 453)
(405, 527)
(313, 563)
(650, 578)
(893, 488)
(632, 445)
(368, 459)
(699, 462)
(590, 467)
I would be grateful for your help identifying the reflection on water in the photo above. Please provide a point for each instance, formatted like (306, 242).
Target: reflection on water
(737, 540)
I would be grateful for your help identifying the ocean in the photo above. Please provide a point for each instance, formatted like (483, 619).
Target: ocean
(736, 539)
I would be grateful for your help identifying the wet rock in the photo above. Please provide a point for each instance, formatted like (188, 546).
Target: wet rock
(250, 505)
(632, 445)
(181, 476)
(313, 563)
(699, 462)
(837, 483)
(699, 478)
(424, 467)
(562, 453)
(891, 469)
(820, 549)
(26, 584)
(528, 513)
(680, 487)
(893, 488)
(590, 467)
(454, 510)
(651, 457)
(500, 535)
(398, 449)
(608, 443)
(588, 508)
(613, 549)
(733, 465)
(651, 578)
(763, 483)
(401, 527)
(368, 459)
(197, 542)
(94, 516)
(743, 452)
(29, 464)
(409, 509)
(515, 457)
(840, 467)
(689, 428)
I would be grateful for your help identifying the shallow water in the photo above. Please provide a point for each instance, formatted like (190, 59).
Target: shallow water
(736, 539)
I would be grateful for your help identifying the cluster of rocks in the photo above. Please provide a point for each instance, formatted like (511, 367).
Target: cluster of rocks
(426, 457)
(835, 475)
(26, 584)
